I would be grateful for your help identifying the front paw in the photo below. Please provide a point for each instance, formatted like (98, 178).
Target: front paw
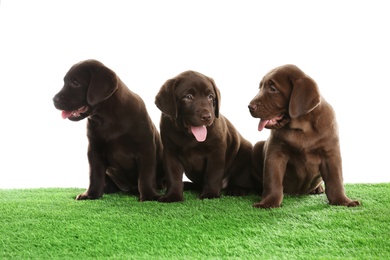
(209, 195)
(353, 203)
(347, 203)
(267, 203)
(171, 198)
(86, 196)
(149, 197)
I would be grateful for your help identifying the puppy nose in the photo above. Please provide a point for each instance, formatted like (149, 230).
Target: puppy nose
(252, 107)
(206, 116)
(56, 99)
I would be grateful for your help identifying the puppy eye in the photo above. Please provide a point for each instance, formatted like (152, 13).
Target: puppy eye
(273, 89)
(211, 97)
(75, 84)
(189, 97)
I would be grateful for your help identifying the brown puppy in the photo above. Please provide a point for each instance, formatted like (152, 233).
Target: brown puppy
(199, 141)
(303, 148)
(125, 148)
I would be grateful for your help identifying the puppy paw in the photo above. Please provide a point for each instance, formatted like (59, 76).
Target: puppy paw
(268, 203)
(265, 205)
(168, 199)
(353, 203)
(347, 203)
(86, 196)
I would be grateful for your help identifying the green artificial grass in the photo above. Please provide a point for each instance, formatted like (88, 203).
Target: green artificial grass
(50, 224)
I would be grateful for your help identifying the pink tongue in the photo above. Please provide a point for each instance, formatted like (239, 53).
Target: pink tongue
(262, 124)
(66, 114)
(200, 132)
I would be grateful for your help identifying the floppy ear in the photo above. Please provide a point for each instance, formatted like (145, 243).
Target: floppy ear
(217, 99)
(165, 98)
(103, 84)
(305, 96)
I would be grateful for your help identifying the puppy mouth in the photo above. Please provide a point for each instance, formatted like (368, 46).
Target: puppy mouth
(197, 128)
(200, 132)
(272, 123)
(74, 114)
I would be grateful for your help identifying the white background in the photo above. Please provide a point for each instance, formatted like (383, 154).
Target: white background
(343, 45)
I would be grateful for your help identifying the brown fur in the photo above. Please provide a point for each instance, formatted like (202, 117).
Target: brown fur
(125, 149)
(303, 148)
(221, 161)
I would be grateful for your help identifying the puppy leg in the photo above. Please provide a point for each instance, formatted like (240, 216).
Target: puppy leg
(274, 170)
(334, 189)
(213, 186)
(174, 178)
(213, 177)
(147, 184)
(97, 174)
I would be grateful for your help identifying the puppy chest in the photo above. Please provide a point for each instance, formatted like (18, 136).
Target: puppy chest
(121, 154)
(304, 163)
(194, 161)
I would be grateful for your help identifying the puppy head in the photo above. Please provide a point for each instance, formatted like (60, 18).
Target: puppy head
(86, 84)
(285, 92)
(191, 99)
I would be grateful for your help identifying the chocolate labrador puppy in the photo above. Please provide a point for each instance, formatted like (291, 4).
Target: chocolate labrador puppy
(199, 141)
(303, 148)
(125, 149)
